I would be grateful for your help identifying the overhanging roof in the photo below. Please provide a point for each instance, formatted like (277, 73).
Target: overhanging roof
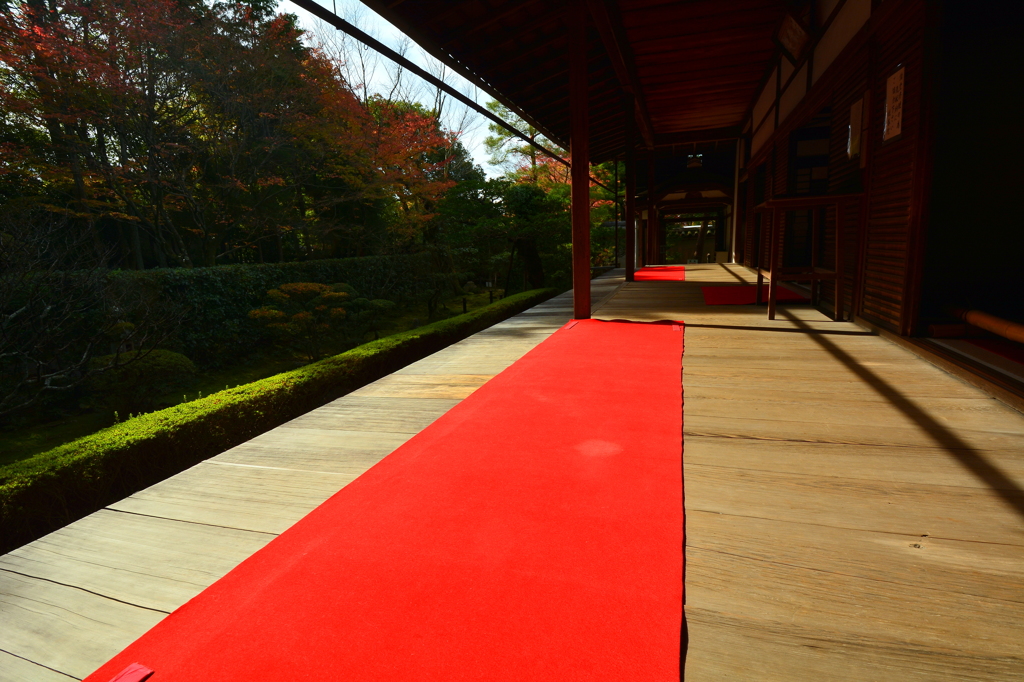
(695, 64)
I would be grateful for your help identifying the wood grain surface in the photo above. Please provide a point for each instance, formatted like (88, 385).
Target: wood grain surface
(852, 511)
(73, 599)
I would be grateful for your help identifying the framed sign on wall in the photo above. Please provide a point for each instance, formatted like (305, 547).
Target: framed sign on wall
(893, 128)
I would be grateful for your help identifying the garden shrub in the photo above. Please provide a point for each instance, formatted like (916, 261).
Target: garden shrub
(130, 382)
(312, 315)
(45, 492)
(215, 326)
(305, 313)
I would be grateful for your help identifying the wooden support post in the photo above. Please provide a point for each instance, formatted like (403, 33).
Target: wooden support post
(735, 217)
(580, 153)
(778, 230)
(630, 217)
(840, 229)
(617, 209)
(816, 227)
(651, 238)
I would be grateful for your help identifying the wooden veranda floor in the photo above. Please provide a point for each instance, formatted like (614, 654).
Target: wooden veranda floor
(73, 599)
(853, 512)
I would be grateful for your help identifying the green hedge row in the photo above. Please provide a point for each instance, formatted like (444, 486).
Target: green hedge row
(54, 488)
(215, 301)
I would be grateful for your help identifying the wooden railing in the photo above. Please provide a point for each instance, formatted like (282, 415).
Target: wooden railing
(815, 273)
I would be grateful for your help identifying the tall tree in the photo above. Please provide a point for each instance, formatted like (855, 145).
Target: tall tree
(508, 151)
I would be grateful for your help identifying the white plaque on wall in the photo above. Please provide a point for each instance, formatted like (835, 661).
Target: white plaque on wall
(893, 106)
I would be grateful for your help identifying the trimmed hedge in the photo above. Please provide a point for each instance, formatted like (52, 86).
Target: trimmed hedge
(216, 300)
(57, 487)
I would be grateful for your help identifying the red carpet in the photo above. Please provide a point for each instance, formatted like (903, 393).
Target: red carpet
(534, 532)
(661, 273)
(745, 295)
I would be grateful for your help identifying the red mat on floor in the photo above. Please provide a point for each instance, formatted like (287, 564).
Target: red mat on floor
(662, 273)
(745, 295)
(534, 532)
(1004, 347)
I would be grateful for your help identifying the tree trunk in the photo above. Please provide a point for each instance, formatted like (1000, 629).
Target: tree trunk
(137, 247)
(508, 277)
(698, 253)
(533, 267)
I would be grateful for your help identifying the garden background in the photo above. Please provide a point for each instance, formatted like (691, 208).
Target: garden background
(166, 165)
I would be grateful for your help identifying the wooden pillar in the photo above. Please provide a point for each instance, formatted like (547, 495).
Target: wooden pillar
(641, 244)
(651, 242)
(630, 217)
(730, 246)
(580, 157)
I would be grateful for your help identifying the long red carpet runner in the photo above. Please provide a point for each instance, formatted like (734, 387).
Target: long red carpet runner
(745, 294)
(534, 532)
(661, 273)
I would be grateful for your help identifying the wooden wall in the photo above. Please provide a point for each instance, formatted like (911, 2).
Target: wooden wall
(882, 245)
(891, 239)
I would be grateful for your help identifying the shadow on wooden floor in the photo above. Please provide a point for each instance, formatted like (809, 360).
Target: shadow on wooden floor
(985, 471)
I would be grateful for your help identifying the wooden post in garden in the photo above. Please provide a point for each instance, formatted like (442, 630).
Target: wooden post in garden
(580, 159)
(630, 217)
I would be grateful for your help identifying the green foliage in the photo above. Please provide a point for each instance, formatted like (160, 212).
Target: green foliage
(208, 133)
(516, 155)
(131, 382)
(364, 316)
(506, 232)
(45, 492)
(312, 315)
(305, 313)
(217, 300)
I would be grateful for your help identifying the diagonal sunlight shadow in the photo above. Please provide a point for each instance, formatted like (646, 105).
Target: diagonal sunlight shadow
(985, 471)
(808, 330)
(733, 273)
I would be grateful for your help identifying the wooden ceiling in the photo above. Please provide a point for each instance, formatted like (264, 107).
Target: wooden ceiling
(694, 65)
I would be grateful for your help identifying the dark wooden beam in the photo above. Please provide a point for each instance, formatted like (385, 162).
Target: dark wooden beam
(609, 26)
(684, 205)
(423, 39)
(580, 158)
(513, 7)
(689, 137)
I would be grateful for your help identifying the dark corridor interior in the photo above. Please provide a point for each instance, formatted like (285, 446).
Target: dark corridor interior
(974, 246)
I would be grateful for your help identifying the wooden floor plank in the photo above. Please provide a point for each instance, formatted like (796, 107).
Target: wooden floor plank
(309, 449)
(905, 465)
(63, 628)
(243, 497)
(76, 597)
(739, 646)
(14, 669)
(135, 559)
(836, 529)
(967, 568)
(843, 518)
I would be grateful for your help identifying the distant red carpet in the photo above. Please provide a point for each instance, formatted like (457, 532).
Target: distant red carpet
(1004, 347)
(744, 295)
(534, 532)
(663, 273)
